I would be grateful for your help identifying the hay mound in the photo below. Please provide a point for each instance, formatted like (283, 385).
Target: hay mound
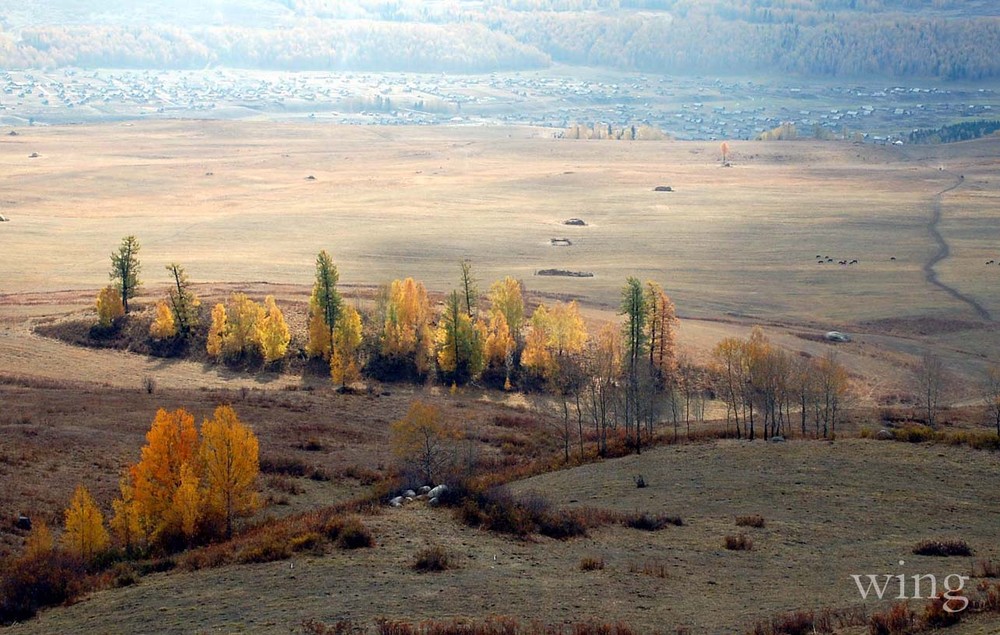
(578, 222)
(560, 242)
(663, 188)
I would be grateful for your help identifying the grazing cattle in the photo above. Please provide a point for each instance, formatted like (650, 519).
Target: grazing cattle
(893, 258)
(853, 262)
(989, 262)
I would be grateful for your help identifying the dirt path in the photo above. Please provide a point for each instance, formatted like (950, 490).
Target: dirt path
(930, 275)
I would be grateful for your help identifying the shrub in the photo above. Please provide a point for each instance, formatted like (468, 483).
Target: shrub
(306, 541)
(755, 520)
(985, 569)
(935, 615)
(340, 627)
(267, 546)
(654, 568)
(739, 542)
(591, 563)
(37, 581)
(562, 525)
(943, 548)
(898, 620)
(433, 559)
(354, 535)
(915, 434)
(648, 522)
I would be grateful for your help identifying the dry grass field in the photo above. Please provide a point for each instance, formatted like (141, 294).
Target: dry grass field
(733, 247)
(830, 511)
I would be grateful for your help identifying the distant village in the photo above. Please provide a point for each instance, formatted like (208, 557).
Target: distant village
(683, 107)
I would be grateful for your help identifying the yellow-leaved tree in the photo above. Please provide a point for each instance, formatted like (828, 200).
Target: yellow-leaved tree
(344, 363)
(241, 337)
(537, 355)
(230, 464)
(423, 442)
(163, 326)
(186, 506)
(272, 332)
(217, 331)
(407, 332)
(39, 541)
(85, 534)
(109, 306)
(506, 297)
(125, 521)
(460, 343)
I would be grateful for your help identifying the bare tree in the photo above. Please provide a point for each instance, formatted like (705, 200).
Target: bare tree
(991, 395)
(931, 384)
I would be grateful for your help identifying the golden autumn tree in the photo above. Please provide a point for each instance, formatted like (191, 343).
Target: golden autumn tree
(423, 442)
(407, 332)
(660, 323)
(172, 442)
(272, 332)
(217, 331)
(500, 347)
(568, 333)
(163, 326)
(85, 534)
(125, 521)
(344, 363)
(186, 506)
(39, 542)
(230, 465)
(243, 317)
(506, 297)
(109, 306)
(537, 355)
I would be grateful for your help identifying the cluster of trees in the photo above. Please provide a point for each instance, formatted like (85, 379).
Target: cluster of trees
(187, 487)
(763, 385)
(897, 38)
(951, 133)
(242, 328)
(607, 131)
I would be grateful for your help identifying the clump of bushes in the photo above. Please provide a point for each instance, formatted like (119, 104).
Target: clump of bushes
(942, 548)
(591, 563)
(354, 535)
(655, 568)
(38, 580)
(650, 522)
(985, 569)
(755, 520)
(739, 542)
(431, 559)
(899, 619)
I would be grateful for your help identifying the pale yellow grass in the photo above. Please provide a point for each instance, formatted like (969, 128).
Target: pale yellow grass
(231, 201)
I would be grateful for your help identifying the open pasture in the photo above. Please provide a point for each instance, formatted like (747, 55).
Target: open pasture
(235, 202)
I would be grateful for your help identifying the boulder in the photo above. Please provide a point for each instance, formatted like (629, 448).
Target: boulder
(23, 522)
(409, 493)
(884, 435)
(437, 491)
(424, 489)
(396, 502)
(777, 439)
(434, 502)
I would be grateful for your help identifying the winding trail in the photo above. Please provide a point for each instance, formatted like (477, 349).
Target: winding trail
(930, 275)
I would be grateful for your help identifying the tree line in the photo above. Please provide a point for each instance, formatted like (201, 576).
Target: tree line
(831, 38)
(612, 381)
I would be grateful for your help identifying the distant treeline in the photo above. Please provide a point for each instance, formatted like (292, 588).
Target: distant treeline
(946, 39)
(955, 132)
